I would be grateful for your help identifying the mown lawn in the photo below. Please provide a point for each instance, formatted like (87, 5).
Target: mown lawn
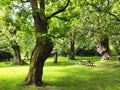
(65, 75)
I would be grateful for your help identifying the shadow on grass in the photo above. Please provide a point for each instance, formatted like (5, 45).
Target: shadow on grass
(9, 64)
(69, 76)
(92, 58)
(62, 61)
(59, 64)
(5, 64)
(105, 77)
(87, 80)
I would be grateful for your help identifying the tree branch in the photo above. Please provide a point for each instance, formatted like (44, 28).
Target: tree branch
(67, 18)
(104, 11)
(59, 11)
(116, 34)
(115, 16)
(62, 18)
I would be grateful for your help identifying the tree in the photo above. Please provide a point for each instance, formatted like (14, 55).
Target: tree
(111, 9)
(99, 24)
(16, 47)
(103, 48)
(13, 18)
(71, 46)
(44, 45)
(55, 56)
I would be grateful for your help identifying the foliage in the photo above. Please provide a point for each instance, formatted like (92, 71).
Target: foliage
(16, 17)
(100, 18)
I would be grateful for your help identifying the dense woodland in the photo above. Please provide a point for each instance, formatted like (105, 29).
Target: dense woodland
(35, 30)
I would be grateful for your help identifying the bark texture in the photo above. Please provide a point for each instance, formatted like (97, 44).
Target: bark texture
(40, 53)
(43, 46)
(17, 56)
(103, 49)
(55, 56)
(71, 51)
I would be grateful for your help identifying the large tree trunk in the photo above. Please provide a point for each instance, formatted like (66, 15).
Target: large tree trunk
(103, 49)
(42, 48)
(43, 45)
(17, 56)
(40, 53)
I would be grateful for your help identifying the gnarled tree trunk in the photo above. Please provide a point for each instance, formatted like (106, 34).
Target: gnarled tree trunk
(103, 49)
(17, 56)
(43, 45)
(40, 53)
(42, 48)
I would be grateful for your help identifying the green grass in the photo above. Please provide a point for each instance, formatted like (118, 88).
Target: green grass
(65, 75)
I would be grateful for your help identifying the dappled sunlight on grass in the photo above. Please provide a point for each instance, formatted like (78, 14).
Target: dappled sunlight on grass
(65, 75)
(5, 64)
(93, 59)
(12, 77)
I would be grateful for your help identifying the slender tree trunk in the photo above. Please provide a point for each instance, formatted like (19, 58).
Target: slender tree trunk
(103, 48)
(71, 51)
(72, 45)
(55, 56)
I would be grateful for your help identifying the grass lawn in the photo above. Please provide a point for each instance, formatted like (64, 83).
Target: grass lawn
(65, 75)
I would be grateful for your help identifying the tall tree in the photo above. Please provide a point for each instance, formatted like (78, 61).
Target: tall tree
(44, 45)
(100, 22)
(111, 9)
(13, 18)
(16, 47)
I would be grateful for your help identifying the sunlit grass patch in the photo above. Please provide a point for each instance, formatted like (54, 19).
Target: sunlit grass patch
(64, 75)
(107, 64)
(12, 77)
(5, 64)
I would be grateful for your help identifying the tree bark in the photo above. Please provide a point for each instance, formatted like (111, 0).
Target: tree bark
(103, 48)
(17, 55)
(40, 53)
(43, 46)
(55, 56)
(71, 51)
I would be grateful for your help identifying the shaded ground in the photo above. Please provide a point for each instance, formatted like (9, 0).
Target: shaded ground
(65, 75)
